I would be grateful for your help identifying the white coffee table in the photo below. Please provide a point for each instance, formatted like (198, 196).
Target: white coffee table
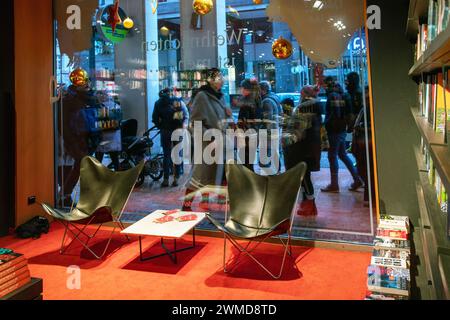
(173, 230)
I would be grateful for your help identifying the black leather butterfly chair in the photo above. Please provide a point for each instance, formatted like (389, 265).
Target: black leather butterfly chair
(103, 197)
(260, 208)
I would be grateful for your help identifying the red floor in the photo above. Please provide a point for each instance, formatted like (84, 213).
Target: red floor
(320, 274)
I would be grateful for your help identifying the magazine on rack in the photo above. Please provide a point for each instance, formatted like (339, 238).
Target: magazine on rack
(389, 280)
(392, 244)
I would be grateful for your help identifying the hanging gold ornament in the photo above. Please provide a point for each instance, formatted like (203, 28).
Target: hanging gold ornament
(164, 31)
(282, 49)
(202, 7)
(79, 77)
(128, 23)
(257, 1)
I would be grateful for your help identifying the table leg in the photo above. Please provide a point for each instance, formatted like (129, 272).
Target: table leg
(171, 253)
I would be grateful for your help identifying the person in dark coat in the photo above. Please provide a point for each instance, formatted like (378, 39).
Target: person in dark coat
(305, 145)
(250, 116)
(337, 123)
(353, 86)
(361, 147)
(164, 117)
(75, 134)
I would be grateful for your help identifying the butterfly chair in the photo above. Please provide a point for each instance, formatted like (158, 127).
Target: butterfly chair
(103, 197)
(260, 208)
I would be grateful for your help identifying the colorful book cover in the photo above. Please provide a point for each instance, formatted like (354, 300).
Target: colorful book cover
(389, 253)
(9, 260)
(390, 262)
(389, 280)
(443, 99)
(391, 244)
(392, 234)
(395, 222)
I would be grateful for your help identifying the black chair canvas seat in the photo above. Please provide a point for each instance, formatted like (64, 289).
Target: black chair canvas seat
(260, 207)
(103, 197)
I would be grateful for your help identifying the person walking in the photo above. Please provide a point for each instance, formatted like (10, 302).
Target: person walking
(305, 145)
(361, 147)
(165, 119)
(338, 111)
(271, 116)
(250, 116)
(209, 109)
(74, 129)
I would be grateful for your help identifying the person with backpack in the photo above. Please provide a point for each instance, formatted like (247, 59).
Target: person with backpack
(168, 119)
(338, 124)
(271, 115)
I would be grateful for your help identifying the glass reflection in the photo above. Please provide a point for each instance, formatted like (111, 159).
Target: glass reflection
(174, 68)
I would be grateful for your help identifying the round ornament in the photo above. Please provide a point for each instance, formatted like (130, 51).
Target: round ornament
(282, 49)
(128, 23)
(79, 77)
(202, 7)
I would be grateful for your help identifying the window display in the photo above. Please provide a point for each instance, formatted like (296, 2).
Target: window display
(285, 90)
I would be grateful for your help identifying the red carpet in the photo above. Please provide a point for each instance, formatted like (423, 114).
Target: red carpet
(320, 274)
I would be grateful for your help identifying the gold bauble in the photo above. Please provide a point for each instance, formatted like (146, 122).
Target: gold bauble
(164, 31)
(282, 49)
(79, 77)
(257, 1)
(128, 23)
(202, 7)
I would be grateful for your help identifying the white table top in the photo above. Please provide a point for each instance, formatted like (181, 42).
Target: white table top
(173, 229)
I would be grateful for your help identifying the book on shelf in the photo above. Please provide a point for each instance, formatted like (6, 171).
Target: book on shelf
(438, 20)
(389, 280)
(392, 244)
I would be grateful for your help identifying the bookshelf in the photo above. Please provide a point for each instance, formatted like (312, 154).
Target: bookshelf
(432, 236)
(435, 57)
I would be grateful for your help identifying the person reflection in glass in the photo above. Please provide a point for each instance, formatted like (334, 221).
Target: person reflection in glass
(303, 143)
(210, 109)
(74, 129)
(337, 123)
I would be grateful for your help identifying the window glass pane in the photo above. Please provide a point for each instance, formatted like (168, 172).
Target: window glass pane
(319, 113)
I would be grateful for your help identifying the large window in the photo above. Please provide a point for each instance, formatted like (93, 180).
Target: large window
(169, 46)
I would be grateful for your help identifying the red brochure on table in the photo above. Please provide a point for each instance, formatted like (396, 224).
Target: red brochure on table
(187, 218)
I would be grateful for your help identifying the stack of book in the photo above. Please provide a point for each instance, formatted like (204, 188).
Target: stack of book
(389, 274)
(14, 272)
(438, 20)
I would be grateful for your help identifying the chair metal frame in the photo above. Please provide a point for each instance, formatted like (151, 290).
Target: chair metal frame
(234, 261)
(81, 231)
